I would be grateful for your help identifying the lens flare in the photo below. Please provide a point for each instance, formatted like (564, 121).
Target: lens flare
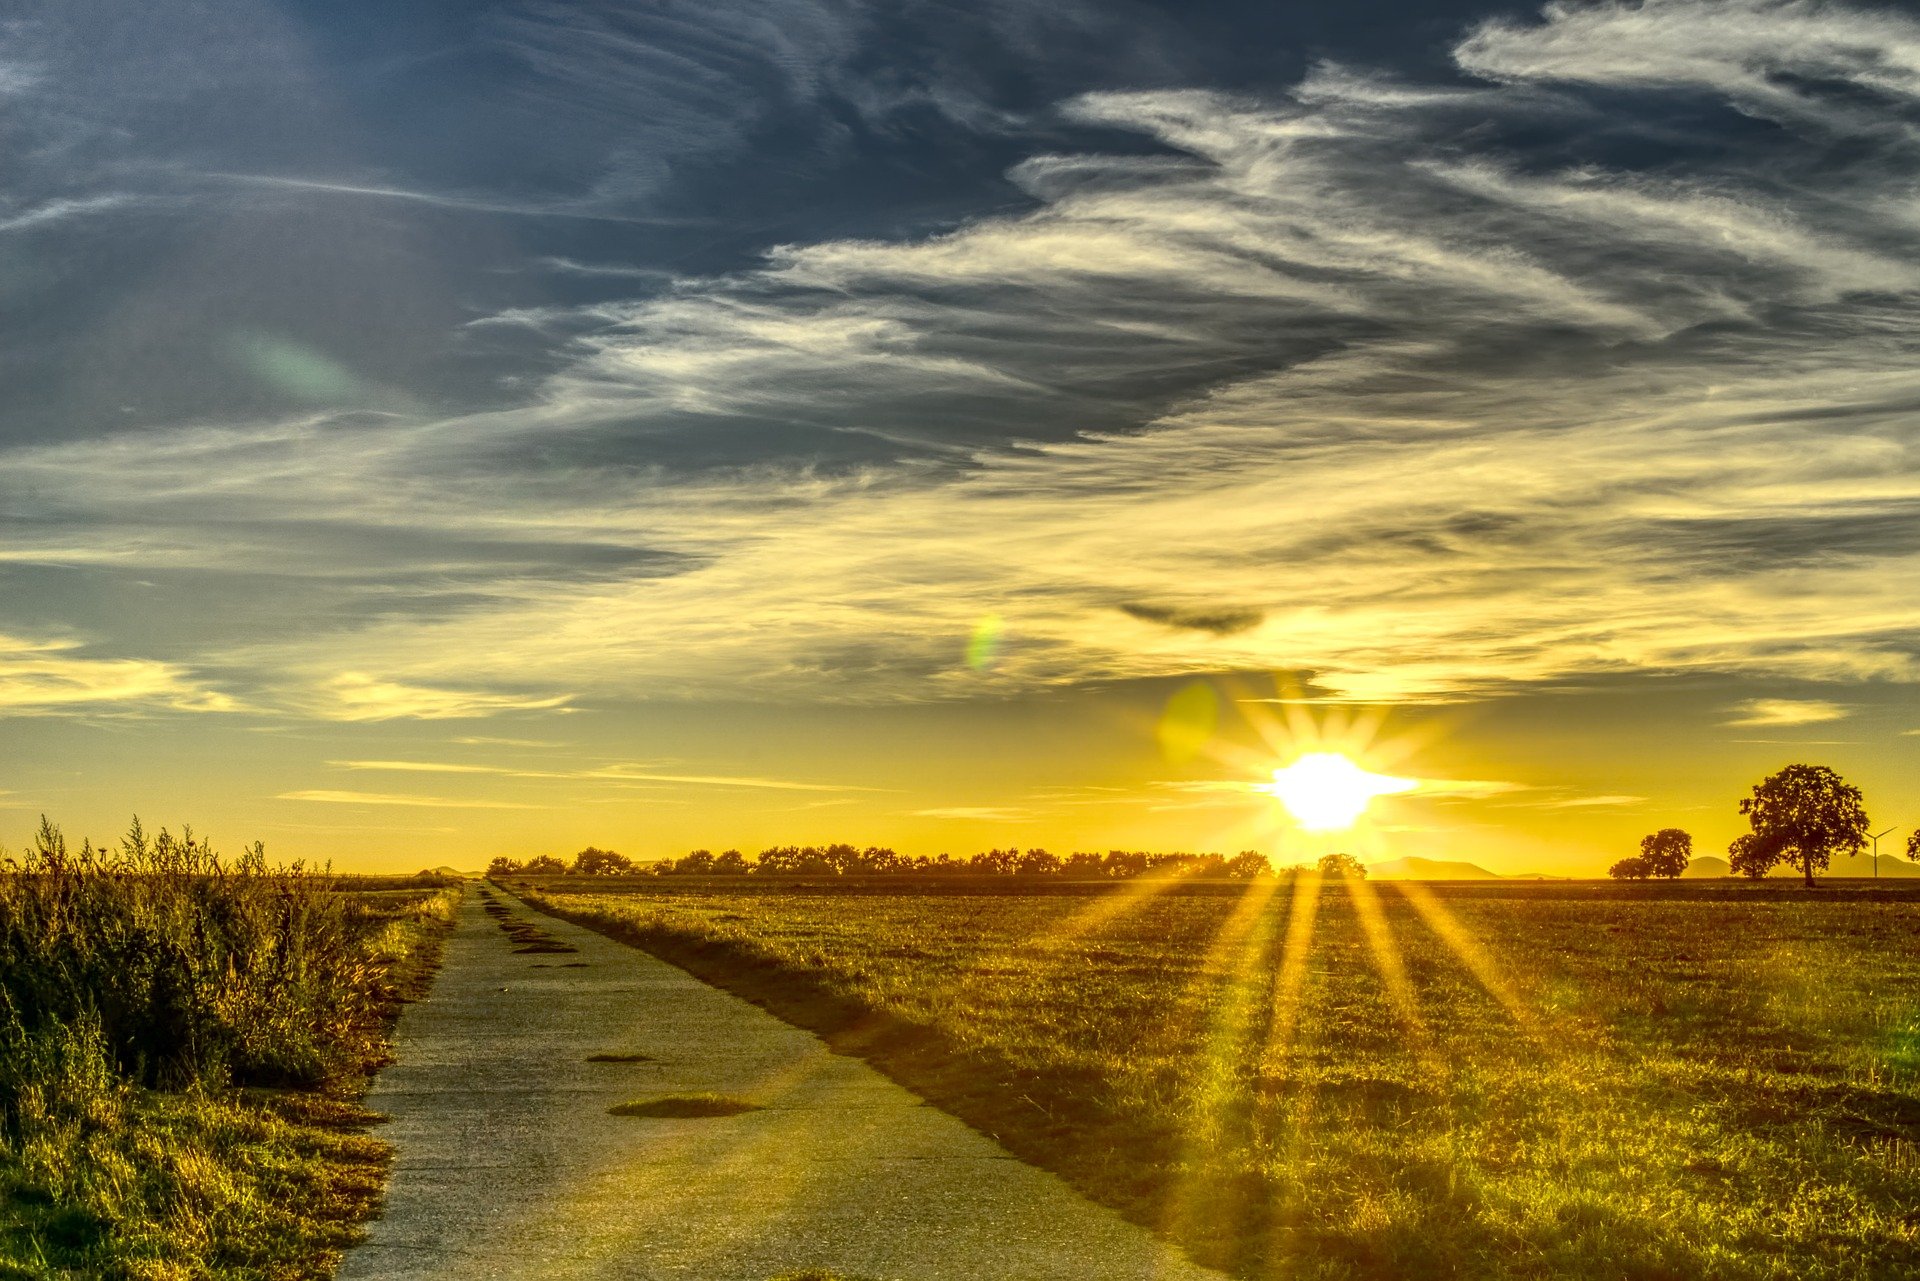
(1191, 716)
(983, 646)
(1327, 792)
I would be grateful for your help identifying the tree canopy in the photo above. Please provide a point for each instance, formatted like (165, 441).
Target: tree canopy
(1802, 816)
(1666, 852)
(1343, 865)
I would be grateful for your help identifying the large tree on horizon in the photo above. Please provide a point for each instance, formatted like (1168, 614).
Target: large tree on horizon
(1667, 852)
(1801, 816)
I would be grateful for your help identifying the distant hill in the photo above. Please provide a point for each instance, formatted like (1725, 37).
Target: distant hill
(1859, 865)
(1429, 869)
(1862, 865)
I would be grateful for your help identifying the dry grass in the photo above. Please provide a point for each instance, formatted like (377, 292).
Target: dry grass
(1386, 1081)
(182, 1042)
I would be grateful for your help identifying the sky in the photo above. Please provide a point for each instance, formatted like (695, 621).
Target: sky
(437, 431)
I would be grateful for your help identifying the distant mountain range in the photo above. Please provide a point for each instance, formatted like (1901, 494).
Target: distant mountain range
(1430, 869)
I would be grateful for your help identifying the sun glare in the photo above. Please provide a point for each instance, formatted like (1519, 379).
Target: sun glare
(1327, 792)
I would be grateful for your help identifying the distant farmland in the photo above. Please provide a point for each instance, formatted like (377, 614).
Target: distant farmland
(1341, 1080)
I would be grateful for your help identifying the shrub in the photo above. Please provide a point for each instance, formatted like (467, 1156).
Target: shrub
(187, 969)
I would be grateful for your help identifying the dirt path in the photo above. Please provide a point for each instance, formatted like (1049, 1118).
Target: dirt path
(510, 1166)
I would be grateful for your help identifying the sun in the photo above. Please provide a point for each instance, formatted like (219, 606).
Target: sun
(1327, 792)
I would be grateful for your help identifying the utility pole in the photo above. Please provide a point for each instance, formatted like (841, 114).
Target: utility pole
(1876, 850)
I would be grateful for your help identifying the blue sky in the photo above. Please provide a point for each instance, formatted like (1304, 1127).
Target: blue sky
(580, 374)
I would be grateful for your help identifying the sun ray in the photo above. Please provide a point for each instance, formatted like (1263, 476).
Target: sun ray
(1288, 1033)
(1391, 968)
(1234, 975)
(1290, 982)
(1474, 956)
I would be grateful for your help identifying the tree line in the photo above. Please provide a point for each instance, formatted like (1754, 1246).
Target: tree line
(1799, 817)
(877, 860)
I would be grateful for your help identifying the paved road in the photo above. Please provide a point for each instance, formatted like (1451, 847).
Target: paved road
(508, 1164)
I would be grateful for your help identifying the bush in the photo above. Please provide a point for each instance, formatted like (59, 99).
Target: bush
(189, 970)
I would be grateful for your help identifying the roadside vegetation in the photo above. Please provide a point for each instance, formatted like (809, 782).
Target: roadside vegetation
(183, 1039)
(1320, 1078)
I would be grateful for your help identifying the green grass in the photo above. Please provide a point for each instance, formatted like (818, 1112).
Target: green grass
(684, 1106)
(1511, 1082)
(182, 1044)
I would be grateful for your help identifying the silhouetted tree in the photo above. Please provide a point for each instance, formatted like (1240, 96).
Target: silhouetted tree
(1744, 858)
(1667, 852)
(1038, 863)
(593, 861)
(1801, 816)
(729, 863)
(502, 866)
(1342, 865)
(996, 862)
(696, 863)
(1632, 869)
(1249, 864)
(544, 865)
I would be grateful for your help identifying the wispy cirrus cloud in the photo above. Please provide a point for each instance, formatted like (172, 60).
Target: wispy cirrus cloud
(1754, 712)
(48, 677)
(978, 813)
(356, 696)
(326, 797)
(1620, 801)
(617, 773)
(1366, 380)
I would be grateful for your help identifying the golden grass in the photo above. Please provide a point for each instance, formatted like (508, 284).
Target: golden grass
(1520, 1082)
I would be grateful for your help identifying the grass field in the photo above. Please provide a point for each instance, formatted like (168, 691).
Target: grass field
(183, 1042)
(1348, 1080)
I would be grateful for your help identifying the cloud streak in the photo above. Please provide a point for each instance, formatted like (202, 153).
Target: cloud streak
(1365, 381)
(1755, 712)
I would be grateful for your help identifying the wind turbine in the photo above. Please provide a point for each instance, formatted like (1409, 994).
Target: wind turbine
(1876, 850)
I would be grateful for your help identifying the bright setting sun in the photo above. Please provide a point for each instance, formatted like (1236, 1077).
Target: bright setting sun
(1326, 792)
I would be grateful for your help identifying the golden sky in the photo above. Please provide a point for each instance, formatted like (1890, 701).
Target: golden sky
(483, 434)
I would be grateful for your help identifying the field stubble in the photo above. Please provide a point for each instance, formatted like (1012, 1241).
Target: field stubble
(1351, 1080)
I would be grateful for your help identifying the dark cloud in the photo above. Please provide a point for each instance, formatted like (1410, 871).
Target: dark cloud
(1220, 622)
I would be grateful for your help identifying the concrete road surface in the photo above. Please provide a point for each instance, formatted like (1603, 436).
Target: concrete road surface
(508, 1164)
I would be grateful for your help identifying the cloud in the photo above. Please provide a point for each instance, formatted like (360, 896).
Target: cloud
(978, 813)
(1592, 802)
(325, 797)
(1786, 711)
(48, 677)
(1466, 789)
(622, 773)
(355, 696)
(419, 767)
(1446, 389)
(1220, 622)
(625, 773)
(1768, 53)
(53, 211)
